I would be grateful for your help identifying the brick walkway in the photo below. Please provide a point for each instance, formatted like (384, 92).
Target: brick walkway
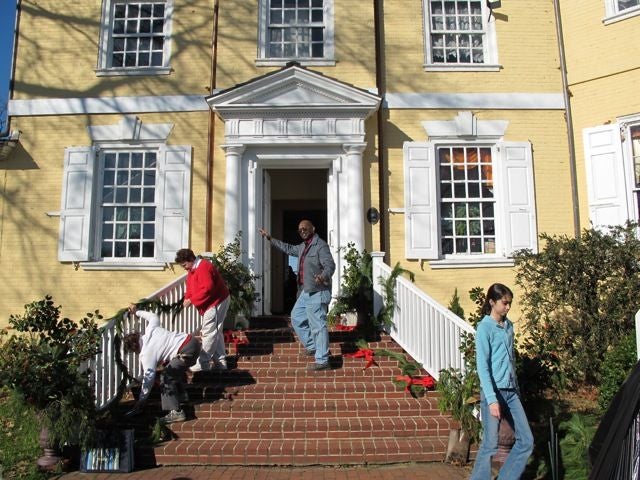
(412, 471)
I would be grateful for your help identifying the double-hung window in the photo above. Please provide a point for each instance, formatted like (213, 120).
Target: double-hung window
(125, 204)
(300, 30)
(468, 201)
(135, 37)
(621, 7)
(128, 204)
(460, 35)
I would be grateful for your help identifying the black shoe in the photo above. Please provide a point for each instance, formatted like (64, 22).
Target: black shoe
(314, 367)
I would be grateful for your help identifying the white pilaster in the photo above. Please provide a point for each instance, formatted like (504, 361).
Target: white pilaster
(355, 213)
(233, 191)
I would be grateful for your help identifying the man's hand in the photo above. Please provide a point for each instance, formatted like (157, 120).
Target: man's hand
(186, 303)
(264, 233)
(494, 410)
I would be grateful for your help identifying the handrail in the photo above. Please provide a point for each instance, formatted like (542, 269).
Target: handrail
(427, 331)
(105, 373)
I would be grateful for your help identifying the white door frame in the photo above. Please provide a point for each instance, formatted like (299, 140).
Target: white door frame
(256, 214)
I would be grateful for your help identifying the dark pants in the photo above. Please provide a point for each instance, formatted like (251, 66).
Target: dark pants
(173, 377)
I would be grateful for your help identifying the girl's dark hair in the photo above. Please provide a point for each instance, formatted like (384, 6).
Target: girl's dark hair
(495, 292)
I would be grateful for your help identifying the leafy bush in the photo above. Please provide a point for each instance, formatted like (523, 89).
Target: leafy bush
(239, 278)
(46, 366)
(617, 364)
(579, 298)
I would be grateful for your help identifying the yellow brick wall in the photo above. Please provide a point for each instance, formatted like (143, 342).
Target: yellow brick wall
(57, 52)
(238, 39)
(31, 186)
(527, 52)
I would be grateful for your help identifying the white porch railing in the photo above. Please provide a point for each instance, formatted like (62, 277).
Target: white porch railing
(105, 372)
(425, 329)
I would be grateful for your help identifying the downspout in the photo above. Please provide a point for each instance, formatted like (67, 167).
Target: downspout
(378, 15)
(567, 112)
(14, 50)
(208, 240)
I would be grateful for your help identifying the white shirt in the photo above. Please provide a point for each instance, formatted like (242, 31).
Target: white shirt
(158, 345)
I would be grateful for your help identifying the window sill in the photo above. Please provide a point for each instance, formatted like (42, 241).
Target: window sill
(462, 68)
(122, 266)
(281, 62)
(113, 72)
(471, 262)
(617, 17)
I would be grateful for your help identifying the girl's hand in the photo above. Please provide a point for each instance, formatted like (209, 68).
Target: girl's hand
(494, 409)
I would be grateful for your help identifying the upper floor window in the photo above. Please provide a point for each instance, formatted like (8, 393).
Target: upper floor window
(300, 30)
(460, 34)
(620, 9)
(135, 37)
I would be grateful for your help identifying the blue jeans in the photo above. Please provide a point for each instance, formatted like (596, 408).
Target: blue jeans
(512, 411)
(309, 320)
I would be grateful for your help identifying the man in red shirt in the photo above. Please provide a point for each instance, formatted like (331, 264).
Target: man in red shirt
(208, 292)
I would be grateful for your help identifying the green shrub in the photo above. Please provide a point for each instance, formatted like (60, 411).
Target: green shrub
(579, 298)
(617, 364)
(45, 364)
(19, 430)
(576, 435)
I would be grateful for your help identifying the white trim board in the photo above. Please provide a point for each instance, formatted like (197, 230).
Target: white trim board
(498, 101)
(196, 103)
(88, 106)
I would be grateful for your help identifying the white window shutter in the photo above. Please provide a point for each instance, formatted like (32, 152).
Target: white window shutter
(76, 204)
(515, 178)
(174, 193)
(605, 176)
(421, 202)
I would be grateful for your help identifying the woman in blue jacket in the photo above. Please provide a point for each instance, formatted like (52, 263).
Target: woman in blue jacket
(499, 394)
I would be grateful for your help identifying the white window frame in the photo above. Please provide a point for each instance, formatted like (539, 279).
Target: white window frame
(263, 32)
(514, 196)
(80, 233)
(105, 44)
(490, 44)
(613, 13)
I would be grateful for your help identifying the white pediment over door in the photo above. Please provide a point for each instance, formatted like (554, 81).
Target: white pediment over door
(294, 105)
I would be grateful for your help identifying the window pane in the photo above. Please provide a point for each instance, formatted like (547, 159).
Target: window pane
(463, 27)
(123, 217)
(467, 224)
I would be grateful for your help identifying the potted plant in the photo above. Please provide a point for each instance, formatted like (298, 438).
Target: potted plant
(240, 280)
(354, 304)
(46, 365)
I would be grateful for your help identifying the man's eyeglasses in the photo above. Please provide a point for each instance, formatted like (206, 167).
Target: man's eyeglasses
(304, 229)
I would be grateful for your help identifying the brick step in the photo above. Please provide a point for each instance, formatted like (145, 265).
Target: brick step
(268, 374)
(311, 428)
(296, 361)
(299, 452)
(330, 391)
(316, 408)
(273, 346)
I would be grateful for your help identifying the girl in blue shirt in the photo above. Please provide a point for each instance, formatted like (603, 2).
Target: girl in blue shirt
(499, 395)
